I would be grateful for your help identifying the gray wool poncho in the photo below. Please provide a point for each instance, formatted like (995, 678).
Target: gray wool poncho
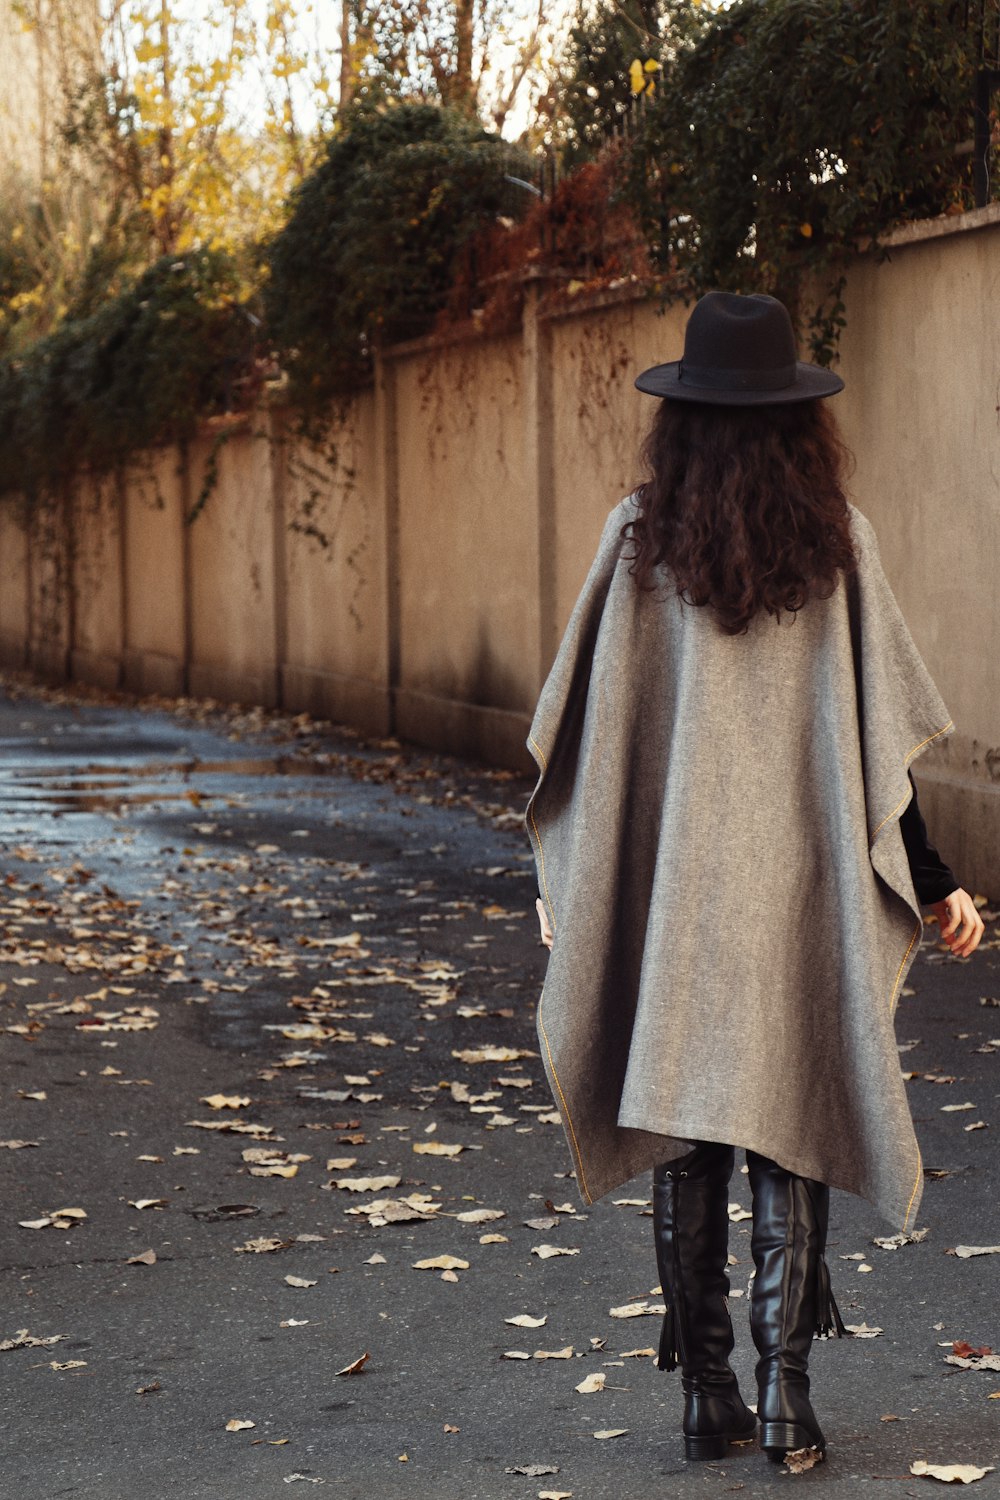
(716, 834)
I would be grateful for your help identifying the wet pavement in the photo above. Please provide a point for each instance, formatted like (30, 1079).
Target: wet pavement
(267, 1001)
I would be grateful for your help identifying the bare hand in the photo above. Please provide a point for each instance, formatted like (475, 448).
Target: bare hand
(960, 923)
(543, 922)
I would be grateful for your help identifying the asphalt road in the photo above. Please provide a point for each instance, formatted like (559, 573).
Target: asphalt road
(214, 918)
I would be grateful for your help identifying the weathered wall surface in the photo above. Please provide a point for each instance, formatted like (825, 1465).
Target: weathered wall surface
(415, 573)
(921, 409)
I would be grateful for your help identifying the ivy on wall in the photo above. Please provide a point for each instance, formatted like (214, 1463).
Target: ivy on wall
(142, 370)
(370, 246)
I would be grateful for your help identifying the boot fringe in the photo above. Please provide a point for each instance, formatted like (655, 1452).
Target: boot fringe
(668, 1355)
(828, 1319)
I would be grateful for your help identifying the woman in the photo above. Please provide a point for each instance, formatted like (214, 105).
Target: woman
(731, 860)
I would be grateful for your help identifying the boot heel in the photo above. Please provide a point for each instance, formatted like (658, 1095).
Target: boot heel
(712, 1446)
(779, 1438)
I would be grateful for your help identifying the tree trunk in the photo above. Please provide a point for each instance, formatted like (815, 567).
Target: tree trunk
(464, 93)
(346, 80)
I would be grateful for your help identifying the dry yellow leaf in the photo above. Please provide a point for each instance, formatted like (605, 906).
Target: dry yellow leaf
(592, 1383)
(951, 1473)
(436, 1148)
(441, 1263)
(366, 1184)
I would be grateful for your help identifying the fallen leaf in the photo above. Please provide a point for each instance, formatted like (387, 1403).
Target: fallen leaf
(491, 1054)
(356, 1366)
(799, 1460)
(546, 1252)
(441, 1263)
(147, 1203)
(525, 1320)
(69, 1364)
(237, 1424)
(950, 1473)
(611, 1432)
(895, 1241)
(480, 1215)
(592, 1383)
(366, 1184)
(638, 1310)
(147, 1258)
(435, 1148)
(965, 1252)
(25, 1340)
(298, 1281)
(532, 1470)
(862, 1331)
(225, 1101)
(950, 1109)
(566, 1353)
(261, 1246)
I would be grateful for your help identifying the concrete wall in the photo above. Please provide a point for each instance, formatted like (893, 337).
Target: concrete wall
(921, 409)
(414, 573)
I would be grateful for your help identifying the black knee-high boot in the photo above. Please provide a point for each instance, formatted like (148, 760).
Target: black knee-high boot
(691, 1225)
(790, 1301)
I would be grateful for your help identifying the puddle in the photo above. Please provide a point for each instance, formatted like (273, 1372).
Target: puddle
(109, 788)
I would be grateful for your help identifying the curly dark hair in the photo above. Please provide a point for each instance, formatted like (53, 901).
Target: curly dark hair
(745, 506)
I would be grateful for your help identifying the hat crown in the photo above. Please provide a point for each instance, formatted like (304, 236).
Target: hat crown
(729, 332)
(739, 351)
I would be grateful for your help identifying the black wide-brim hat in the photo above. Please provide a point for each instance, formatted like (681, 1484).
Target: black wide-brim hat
(739, 351)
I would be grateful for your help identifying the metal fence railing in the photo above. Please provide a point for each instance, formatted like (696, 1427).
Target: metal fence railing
(982, 18)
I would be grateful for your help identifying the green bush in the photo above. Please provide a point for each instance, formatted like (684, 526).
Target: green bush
(370, 244)
(143, 369)
(784, 131)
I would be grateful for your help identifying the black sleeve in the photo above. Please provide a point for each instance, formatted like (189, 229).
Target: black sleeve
(932, 879)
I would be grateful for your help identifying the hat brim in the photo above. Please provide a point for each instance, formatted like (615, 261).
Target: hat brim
(811, 382)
